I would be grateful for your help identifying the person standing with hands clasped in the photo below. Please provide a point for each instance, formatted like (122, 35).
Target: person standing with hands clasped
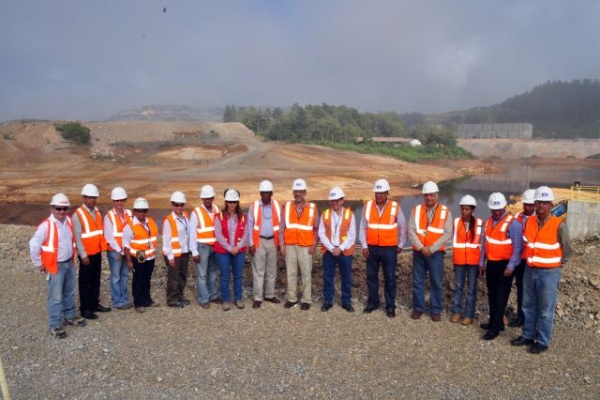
(176, 250)
(140, 238)
(230, 248)
(466, 256)
(52, 248)
(337, 231)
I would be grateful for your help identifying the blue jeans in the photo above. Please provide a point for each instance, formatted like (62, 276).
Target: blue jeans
(230, 264)
(329, 263)
(206, 268)
(119, 275)
(421, 266)
(386, 256)
(468, 273)
(61, 294)
(540, 290)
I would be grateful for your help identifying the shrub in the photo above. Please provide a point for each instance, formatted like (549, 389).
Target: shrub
(74, 132)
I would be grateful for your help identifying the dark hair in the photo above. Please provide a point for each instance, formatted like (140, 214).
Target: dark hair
(471, 233)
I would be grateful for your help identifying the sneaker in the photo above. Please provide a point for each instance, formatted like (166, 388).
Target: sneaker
(75, 321)
(239, 304)
(58, 333)
(225, 306)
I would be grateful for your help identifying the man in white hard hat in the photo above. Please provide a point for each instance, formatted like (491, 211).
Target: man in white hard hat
(429, 229)
(176, 244)
(382, 236)
(202, 222)
(527, 199)
(298, 233)
(548, 249)
(337, 232)
(140, 240)
(89, 237)
(114, 222)
(264, 216)
(502, 247)
(52, 248)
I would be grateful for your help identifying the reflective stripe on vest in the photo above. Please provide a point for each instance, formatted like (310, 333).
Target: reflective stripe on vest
(344, 227)
(50, 246)
(543, 247)
(175, 245)
(92, 232)
(205, 233)
(466, 252)
(382, 230)
(300, 230)
(498, 245)
(429, 233)
(257, 215)
(118, 225)
(143, 240)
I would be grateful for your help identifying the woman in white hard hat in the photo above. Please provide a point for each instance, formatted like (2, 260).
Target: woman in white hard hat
(140, 238)
(466, 256)
(230, 248)
(176, 252)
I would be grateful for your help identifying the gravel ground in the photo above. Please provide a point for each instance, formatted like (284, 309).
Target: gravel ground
(273, 352)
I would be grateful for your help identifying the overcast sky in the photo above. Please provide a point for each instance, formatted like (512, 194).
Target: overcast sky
(90, 59)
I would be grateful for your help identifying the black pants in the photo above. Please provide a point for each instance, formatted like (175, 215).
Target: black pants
(140, 285)
(498, 291)
(89, 283)
(176, 278)
(518, 274)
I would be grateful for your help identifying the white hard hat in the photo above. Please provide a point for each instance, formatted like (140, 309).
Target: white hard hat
(178, 197)
(430, 187)
(118, 193)
(299, 184)
(544, 193)
(232, 195)
(381, 186)
(528, 196)
(496, 201)
(265, 186)
(140, 204)
(336, 193)
(90, 190)
(59, 199)
(207, 192)
(468, 200)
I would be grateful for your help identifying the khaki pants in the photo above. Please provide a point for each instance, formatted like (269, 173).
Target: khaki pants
(264, 262)
(298, 257)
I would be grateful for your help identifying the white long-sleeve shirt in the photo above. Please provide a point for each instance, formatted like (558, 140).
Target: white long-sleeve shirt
(183, 232)
(193, 240)
(65, 241)
(336, 224)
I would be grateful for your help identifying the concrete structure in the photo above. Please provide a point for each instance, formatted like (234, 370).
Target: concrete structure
(583, 218)
(495, 131)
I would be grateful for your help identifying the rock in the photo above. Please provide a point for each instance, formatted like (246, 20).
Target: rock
(581, 299)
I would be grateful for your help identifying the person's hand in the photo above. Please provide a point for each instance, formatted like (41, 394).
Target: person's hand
(399, 250)
(85, 261)
(42, 269)
(426, 251)
(172, 263)
(481, 270)
(311, 249)
(252, 250)
(119, 256)
(282, 250)
(366, 252)
(196, 258)
(234, 250)
(507, 272)
(130, 264)
(336, 251)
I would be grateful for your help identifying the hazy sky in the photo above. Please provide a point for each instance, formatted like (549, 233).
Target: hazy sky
(89, 59)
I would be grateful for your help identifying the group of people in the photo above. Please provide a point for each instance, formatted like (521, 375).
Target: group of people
(531, 246)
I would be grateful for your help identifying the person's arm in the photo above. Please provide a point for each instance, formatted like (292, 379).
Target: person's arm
(515, 230)
(127, 236)
(402, 230)
(325, 242)
(35, 246)
(351, 238)
(166, 240)
(565, 242)
(244, 239)
(219, 234)
(446, 236)
(193, 241)
(412, 232)
(77, 229)
(250, 226)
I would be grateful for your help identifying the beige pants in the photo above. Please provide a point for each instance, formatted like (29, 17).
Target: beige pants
(298, 257)
(264, 270)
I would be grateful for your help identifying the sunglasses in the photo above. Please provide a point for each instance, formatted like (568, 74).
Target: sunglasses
(232, 202)
(178, 204)
(61, 208)
(141, 211)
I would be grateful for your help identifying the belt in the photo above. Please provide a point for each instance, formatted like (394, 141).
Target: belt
(67, 260)
(267, 237)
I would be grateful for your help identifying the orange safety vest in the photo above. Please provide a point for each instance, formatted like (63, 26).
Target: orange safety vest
(257, 214)
(300, 230)
(427, 233)
(520, 217)
(144, 240)
(543, 247)
(92, 232)
(50, 245)
(345, 226)
(466, 252)
(498, 245)
(117, 226)
(175, 245)
(382, 231)
(205, 233)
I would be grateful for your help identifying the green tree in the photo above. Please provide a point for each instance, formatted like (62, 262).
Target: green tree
(75, 132)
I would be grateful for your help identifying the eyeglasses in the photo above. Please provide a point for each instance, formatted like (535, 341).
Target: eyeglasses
(178, 204)
(141, 211)
(232, 202)
(120, 201)
(61, 208)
